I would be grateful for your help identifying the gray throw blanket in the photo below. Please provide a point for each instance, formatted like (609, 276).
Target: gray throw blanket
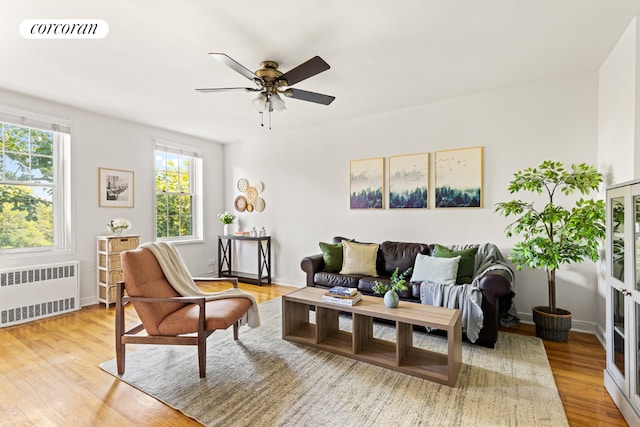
(178, 275)
(490, 258)
(467, 298)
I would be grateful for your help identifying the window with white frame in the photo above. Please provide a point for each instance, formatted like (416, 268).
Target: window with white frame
(34, 182)
(178, 186)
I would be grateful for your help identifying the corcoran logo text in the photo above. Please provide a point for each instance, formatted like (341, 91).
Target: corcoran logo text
(64, 28)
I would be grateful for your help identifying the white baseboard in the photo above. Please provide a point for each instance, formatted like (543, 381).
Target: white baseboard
(91, 301)
(288, 282)
(621, 401)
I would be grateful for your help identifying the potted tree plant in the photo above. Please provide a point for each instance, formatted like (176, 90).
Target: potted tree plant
(553, 235)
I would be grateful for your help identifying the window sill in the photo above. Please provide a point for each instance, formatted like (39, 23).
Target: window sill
(33, 252)
(181, 242)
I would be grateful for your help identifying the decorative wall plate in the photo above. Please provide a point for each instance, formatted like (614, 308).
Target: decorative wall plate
(243, 184)
(249, 207)
(259, 186)
(260, 204)
(252, 194)
(240, 203)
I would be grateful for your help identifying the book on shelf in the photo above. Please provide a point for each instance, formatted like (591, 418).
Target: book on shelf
(343, 290)
(336, 299)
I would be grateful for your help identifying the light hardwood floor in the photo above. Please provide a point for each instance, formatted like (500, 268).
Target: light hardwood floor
(49, 374)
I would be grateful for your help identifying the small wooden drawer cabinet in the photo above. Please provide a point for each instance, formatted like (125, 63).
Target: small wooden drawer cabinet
(109, 269)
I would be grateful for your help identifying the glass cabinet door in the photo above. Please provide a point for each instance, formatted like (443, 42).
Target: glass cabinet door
(634, 303)
(636, 240)
(616, 276)
(622, 275)
(616, 207)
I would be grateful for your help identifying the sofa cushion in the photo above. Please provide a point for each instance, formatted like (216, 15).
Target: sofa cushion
(467, 261)
(400, 255)
(366, 283)
(358, 258)
(437, 270)
(332, 256)
(334, 279)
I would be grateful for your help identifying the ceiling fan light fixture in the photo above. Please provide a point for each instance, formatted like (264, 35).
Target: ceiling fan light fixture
(277, 103)
(272, 84)
(260, 102)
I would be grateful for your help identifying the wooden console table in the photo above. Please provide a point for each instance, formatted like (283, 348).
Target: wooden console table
(225, 261)
(361, 345)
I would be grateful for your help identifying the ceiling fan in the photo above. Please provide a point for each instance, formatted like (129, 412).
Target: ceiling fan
(271, 83)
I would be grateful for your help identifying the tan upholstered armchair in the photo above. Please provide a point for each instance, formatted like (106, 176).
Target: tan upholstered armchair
(167, 317)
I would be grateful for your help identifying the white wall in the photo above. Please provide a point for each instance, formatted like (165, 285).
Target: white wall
(99, 141)
(617, 100)
(619, 122)
(306, 177)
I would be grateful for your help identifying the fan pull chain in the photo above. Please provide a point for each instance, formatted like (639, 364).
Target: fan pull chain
(268, 109)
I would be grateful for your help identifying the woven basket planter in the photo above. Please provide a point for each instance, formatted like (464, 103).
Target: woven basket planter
(552, 326)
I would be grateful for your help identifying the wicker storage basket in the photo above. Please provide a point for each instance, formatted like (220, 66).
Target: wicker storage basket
(114, 261)
(115, 276)
(112, 293)
(119, 244)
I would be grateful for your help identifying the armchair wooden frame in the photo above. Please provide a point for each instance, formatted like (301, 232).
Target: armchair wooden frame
(134, 336)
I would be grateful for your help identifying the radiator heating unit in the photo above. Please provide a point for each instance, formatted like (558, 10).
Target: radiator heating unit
(36, 292)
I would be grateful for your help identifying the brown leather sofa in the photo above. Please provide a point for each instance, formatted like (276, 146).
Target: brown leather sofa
(494, 283)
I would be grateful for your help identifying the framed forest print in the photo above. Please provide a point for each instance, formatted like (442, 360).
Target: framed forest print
(409, 181)
(458, 176)
(366, 183)
(115, 188)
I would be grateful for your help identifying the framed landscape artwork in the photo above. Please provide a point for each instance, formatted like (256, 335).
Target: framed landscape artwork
(409, 181)
(366, 183)
(115, 188)
(458, 176)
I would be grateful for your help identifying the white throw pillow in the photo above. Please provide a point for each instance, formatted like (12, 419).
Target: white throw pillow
(434, 269)
(358, 258)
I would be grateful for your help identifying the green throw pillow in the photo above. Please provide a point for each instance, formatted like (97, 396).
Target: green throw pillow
(467, 261)
(332, 255)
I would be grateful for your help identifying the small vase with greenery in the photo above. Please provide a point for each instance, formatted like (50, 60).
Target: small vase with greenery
(227, 219)
(119, 225)
(390, 291)
(553, 235)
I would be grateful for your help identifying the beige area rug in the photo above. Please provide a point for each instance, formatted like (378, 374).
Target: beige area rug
(262, 380)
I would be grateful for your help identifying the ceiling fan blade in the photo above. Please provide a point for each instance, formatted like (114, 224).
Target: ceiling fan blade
(314, 66)
(304, 95)
(236, 66)
(227, 89)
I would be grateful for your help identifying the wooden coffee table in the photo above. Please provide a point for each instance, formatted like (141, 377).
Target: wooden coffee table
(361, 344)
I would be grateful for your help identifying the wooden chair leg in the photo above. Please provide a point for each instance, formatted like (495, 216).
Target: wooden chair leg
(202, 356)
(202, 340)
(120, 355)
(235, 330)
(120, 347)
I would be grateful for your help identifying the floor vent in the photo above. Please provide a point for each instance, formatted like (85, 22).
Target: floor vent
(36, 292)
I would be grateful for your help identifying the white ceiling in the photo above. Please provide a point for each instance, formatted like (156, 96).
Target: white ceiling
(384, 55)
